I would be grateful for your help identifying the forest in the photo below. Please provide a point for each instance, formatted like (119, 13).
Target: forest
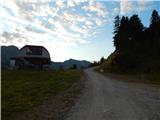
(137, 48)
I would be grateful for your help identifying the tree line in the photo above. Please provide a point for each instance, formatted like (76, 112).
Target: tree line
(97, 63)
(136, 46)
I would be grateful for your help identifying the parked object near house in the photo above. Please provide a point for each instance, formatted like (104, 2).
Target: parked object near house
(31, 56)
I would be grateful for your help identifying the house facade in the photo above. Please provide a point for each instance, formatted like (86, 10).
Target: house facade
(31, 56)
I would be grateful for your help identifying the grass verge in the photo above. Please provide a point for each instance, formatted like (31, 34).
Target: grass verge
(151, 78)
(24, 90)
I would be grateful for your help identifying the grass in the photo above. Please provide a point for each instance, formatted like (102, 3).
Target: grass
(150, 78)
(21, 90)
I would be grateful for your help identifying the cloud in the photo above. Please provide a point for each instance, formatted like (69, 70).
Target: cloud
(99, 21)
(96, 7)
(127, 6)
(11, 38)
(73, 3)
(60, 3)
(143, 5)
(89, 23)
(53, 24)
(6, 35)
(70, 16)
(34, 29)
(10, 7)
(70, 3)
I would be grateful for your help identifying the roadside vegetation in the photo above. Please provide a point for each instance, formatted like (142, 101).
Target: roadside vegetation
(23, 90)
(137, 48)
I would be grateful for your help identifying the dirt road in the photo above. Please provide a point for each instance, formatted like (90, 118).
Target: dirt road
(109, 99)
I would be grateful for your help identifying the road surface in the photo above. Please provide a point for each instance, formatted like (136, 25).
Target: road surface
(109, 99)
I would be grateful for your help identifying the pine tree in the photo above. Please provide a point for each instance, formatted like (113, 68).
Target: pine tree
(135, 33)
(124, 34)
(116, 32)
(102, 60)
(155, 33)
(154, 18)
(116, 24)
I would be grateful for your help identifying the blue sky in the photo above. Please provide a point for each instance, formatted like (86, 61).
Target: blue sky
(68, 29)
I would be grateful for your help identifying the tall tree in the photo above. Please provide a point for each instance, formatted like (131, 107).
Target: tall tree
(120, 34)
(102, 60)
(116, 24)
(123, 34)
(155, 33)
(136, 24)
(154, 18)
(135, 33)
(116, 31)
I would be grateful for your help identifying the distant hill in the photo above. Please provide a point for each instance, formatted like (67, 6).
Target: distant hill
(69, 63)
(6, 53)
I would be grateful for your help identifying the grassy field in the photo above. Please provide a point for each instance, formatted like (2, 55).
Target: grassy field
(23, 90)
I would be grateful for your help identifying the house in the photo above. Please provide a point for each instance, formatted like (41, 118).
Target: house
(31, 56)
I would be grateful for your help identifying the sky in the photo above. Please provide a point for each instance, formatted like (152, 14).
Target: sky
(77, 29)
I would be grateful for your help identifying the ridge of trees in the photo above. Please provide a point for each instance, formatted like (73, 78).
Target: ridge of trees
(136, 46)
(97, 63)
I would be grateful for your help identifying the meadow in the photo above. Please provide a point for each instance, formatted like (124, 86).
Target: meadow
(22, 90)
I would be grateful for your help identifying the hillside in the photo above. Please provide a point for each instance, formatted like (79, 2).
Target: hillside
(137, 48)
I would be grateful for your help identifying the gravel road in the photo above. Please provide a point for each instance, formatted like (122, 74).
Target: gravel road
(106, 98)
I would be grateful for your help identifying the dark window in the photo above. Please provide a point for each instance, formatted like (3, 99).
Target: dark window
(34, 51)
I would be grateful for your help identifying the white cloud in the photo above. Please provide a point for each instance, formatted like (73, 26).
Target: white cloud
(73, 3)
(143, 2)
(70, 16)
(126, 6)
(78, 29)
(70, 3)
(60, 3)
(98, 21)
(89, 22)
(10, 7)
(96, 7)
(143, 5)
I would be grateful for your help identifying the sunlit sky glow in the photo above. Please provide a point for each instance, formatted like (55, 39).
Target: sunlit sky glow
(68, 29)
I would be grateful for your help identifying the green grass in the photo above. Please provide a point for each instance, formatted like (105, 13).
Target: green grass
(21, 90)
